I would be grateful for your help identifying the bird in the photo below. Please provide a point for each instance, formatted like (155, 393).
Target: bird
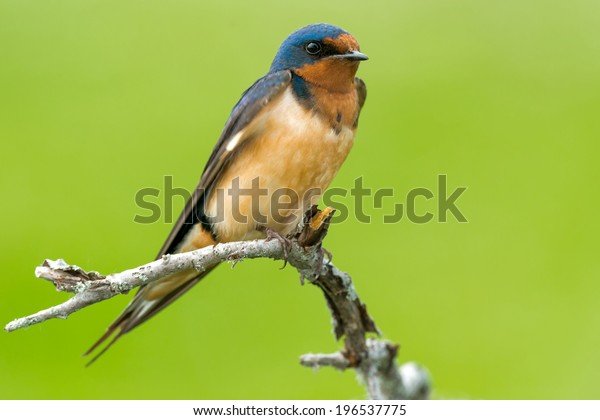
(288, 134)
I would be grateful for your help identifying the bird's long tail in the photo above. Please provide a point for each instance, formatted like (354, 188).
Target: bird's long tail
(153, 297)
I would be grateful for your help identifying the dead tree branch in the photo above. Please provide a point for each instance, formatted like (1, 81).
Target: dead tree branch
(373, 359)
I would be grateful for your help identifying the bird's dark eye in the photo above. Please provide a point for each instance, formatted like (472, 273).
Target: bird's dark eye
(313, 48)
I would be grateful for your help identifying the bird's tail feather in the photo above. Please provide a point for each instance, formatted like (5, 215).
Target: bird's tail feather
(149, 300)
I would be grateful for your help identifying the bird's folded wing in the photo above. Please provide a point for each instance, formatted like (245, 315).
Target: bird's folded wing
(254, 100)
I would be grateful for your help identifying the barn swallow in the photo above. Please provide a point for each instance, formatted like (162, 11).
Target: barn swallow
(290, 131)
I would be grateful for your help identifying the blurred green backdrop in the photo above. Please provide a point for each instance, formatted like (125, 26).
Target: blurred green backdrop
(101, 98)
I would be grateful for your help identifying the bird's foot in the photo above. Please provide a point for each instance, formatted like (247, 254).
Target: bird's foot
(285, 242)
(327, 254)
(322, 254)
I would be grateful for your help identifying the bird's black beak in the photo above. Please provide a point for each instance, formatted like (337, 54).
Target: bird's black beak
(353, 56)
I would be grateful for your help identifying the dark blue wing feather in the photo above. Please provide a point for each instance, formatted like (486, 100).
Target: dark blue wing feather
(253, 100)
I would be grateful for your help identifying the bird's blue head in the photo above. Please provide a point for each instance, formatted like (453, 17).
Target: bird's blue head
(313, 43)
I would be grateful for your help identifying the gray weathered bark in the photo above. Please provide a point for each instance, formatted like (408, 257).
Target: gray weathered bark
(373, 359)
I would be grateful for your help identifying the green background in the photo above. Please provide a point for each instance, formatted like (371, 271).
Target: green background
(99, 99)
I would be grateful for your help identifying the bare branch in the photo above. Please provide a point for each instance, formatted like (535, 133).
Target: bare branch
(373, 359)
(90, 288)
(336, 360)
